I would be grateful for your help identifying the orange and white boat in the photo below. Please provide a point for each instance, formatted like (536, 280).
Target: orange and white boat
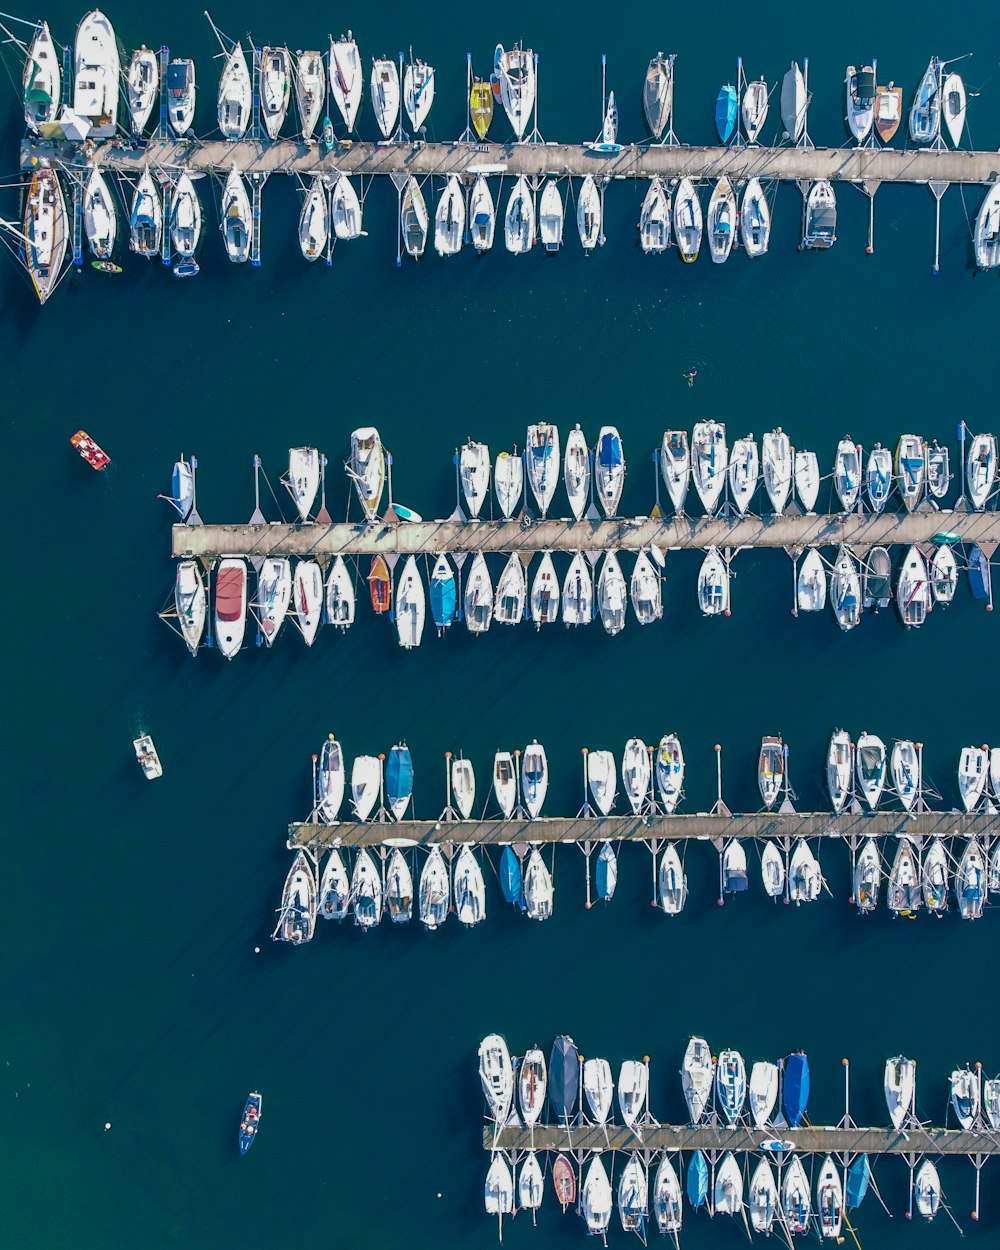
(380, 585)
(95, 456)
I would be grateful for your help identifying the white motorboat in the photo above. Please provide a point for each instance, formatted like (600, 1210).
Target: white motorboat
(42, 79)
(235, 95)
(297, 914)
(434, 892)
(100, 219)
(414, 219)
(346, 78)
(275, 88)
(934, 877)
(519, 220)
(987, 232)
(721, 220)
(763, 1090)
(230, 605)
(307, 598)
(633, 1195)
(667, 1206)
(771, 771)
(899, 1085)
(96, 75)
(515, 75)
(943, 573)
(303, 478)
(398, 888)
(505, 782)
(551, 216)
(927, 1190)
(754, 108)
(538, 890)
(671, 884)
(146, 218)
(602, 777)
(847, 474)
(697, 1072)
(654, 218)
(181, 95)
(508, 479)
(669, 772)
(190, 603)
(845, 590)
(330, 780)
(499, 1190)
(334, 889)
(418, 91)
(143, 79)
(762, 1200)
(576, 472)
(973, 769)
(636, 774)
(904, 763)
(903, 893)
(860, 89)
(345, 209)
(578, 592)
(478, 599)
(734, 868)
(730, 1084)
(777, 460)
(532, 1083)
(469, 889)
(384, 91)
(530, 1183)
(796, 1202)
(744, 472)
(449, 220)
(411, 605)
(496, 1074)
(878, 476)
(658, 94)
(965, 1097)
(463, 786)
(612, 595)
(609, 469)
(867, 877)
(709, 457)
(913, 590)
(545, 593)
(310, 91)
(911, 469)
(598, 1089)
(925, 114)
(274, 593)
(830, 1200)
(237, 218)
(511, 593)
(870, 761)
(820, 227)
(534, 778)
(645, 592)
(807, 479)
(675, 466)
(589, 214)
(595, 1197)
(633, 1089)
(366, 780)
(805, 879)
(970, 881)
(542, 455)
(755, 220)
(474, 474)
(713, 584)
(366, 892)
(185, 218)
(982, 469)
(727, 1192)
(839, 768)
(314, 222)
(366, 468)
(772, 871)
(810, 583)
(340, 599)
(687, 220)
(938, 470)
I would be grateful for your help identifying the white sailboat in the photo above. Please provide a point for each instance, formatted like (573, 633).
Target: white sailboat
(478, 599)
(847, 474)
(903, 893)
(482, 216)
(654, 218)
(235, 95)
(987, 232)
(463, 786)
(839, 768)
(772, 871)
(366, 778)
(667, 1207)
(878, 477)
(777, 460)
(515, 74)
(612, 595)
(687, 221)
(340, 598)
(870, 761)
(418, 91)
(576, 472)
(675, 467)
(551, 216)
(965, 1097)
(303, 478)
(449, 220)
(534, 778)
(925, 113)
(146, 218)
(314, 222)
(411, 605)
(669, 772)
(762, 1199)
(973, 769)
(237, 218)
(508, 479)
(474, 474)
(730, 1084)
(645, 591)
(658, 94)
(602, 776)
(496, 1073)
(805, 879)
(434, 890)
(905, 767)
(469, 889)
(671, 882)
(810, 584)
(542, 456)
(807, 479)
(697, 1071)
(190, 603)
(346, 78)
(530, 1183)
(100, 218)
(944, 575)
(927, 1190)
(845, 590)
(414, 219)
(596, 1197)
(953, 104)
(310, 91)
(589, 214)
(794, 103)
(796, 1201)
(913, 590)
(609, 469)
(366, 468)
(867, 877)
(499, 1191)
(763, 1091)
(934, 877)
(755, 220)
(713, 584)
(899, 1085)
(538, 890)
(307, 597)
(911, 469)
(143, 79)
(727, 1192)
(636, 773)
(275, 88)
(384, 91)
(532, 1082)
(42, 79)
(505, 782)
(519, 220)
(345, 209)
(545, 593)
(721, 220)
(334, 889)
(633, 1195)
(185, 218)
(633, 1087)
(181, 95)
(981, 472)
(744, 472)
(754, 108)
(970, 881)
(274, 594)
(330, 780)
(230, 605)
(578, 592)
(398, 888)
(830, 1200)
(366, 892)
(709, 457)
(598, 1089)
(511, 592)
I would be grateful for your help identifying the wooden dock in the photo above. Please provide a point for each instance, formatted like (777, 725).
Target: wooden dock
(868, 167)
(776, 826)
(793, 532)
(814, 1139)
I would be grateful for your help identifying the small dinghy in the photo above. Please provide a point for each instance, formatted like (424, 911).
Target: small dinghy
(531, 1086)
(687, 221)
(609, 469)
(771, 771)
(982, 469)
(235, 95)
(772, 871)
(734, 868)
(612, 595)
(237, 218)
(669, 772)
(721, 220)
(542, 455)
(147, 757)
(366, 781)
(482, 216)
(633, 1088)
(345, 209)
(899, 1085)
(589, 212)
(434, 891)
(508, 480)
(830, 1200)
(297, 914)
(530, 1183)
(754, 108)
(190, 603)
(505, 782)
(418, 90)
(762, 1199)
(795, 1199)
(598, 1089)
(877, 579)
(307, 598)
(755, 220)
(551, 216)
(606, 873)
(578, 592)
(545, 593)
(970, 882)
(973, 769)
(807, 479)
(633, 1196)
(534, 778)
(645, 591)
(867, 877)
(411, 605)
(870, 759)
(839, 768)
(398, 888)
(667, 1208)
(230, 606)
(654, 218)
(911, 469)
(847, 474)
(878, 476)
(185, 218)
(805, 879)
(709, 457)
(596, 1198)
(810, 584)
(478, 599)
(334, 889)
(496, 1074)
(903, 892)
(519, 220)
(100, 218)
(310, 91)
(675, 467)
(576, 473)
(934, 877)
(414, 219)
(330, 781)
(511, 593)
(927, 1190)
(499, 1191)
(730, 1084)
(763, 1091)
(697, 1071)
(636, 773)
(713, 584)
(384, 94)
(474, 474)
(913, 590)
(860, 90)
(314, 222)
(671, 882)
(905, 767)
(744, 472)
(449, 220)
(925, 114)
(366, 892)
(274, 593)
(845, 590)
(727, 1193)
(965, 1097)
(463, 786)
(469, 889)
(777, 460)
(340, 601)
(538, 889)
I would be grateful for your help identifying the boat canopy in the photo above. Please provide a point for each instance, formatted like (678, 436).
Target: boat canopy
(858, 1177)
(872, 763)
(979, 573)
(511, 881)
(864, 85)
(443, 601)
(399, 774)
(795, 1091)
(180, 78)
(610, 454)
(697, 1179)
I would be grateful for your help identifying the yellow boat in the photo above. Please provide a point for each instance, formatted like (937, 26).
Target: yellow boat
(481, 104)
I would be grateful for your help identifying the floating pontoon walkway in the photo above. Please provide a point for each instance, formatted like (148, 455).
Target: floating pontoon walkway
(700, 827)
(583, 1138)
(431, 538)
(868, 166)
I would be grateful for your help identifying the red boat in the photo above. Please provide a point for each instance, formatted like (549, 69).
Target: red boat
(380, 584)
(94, 456)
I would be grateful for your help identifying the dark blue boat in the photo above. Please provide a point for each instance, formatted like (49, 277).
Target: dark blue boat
(250, 1122)
(511, 881)
(795, 1089)
(564, 1079)
(725, 112)
(859, 1176)
(697, 1180)
(979, 573)
(399, 779)
(443, 593)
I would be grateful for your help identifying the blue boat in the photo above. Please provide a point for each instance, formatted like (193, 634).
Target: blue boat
(443, 594)
(859, 1176)
(795, 1089)
(607, 872)
(564, 1079)
(511, 881)
(399, 779)
(725, 112)
(979, 573)
(697, 1180)
(250, 1122)
(329, 139)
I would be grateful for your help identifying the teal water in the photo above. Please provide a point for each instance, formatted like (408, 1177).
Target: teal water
(132, 988)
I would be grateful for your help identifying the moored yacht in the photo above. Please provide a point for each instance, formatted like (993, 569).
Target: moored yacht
(96, 75)
(675, 466)
(146, 218)
(519, 220)
(275, 88)
(867, 877)
(709, 457)
(612, 595)
(190, 603)
(366, 468)
(713, 584)
(235, 95)
(589, 214)
(42, 79)
(418, 90)
(340, 598)
(314, 222)
(721, 220)
(297, 913)
(474, 475)
(384, 94)
(687, 220)
(671, 884)
(334, 889)
(307, 598)
(449, 220)
(230, 605)
(755, 220)
(654, 217)
(185, 218)
(576, 472)
(551, 216)
(515, 75)
(274, 593)
(346, 78)
(903, 893)
(237, 218)
(845, 590)
(414, 219)
(143, 78)
(542, 456)
(899, 1085)
(609, 469)
(100, 219)
(310, 91)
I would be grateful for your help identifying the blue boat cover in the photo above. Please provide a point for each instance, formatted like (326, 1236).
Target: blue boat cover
(399, 774)
(795, 1088)
(610, 453)
(858, 1176)
(979, 573)
(510, 877)
(697, 1180)
(443, 599)
(564, 1078)
(725, 112)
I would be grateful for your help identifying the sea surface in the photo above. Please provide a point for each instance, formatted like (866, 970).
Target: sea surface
(139, 985)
